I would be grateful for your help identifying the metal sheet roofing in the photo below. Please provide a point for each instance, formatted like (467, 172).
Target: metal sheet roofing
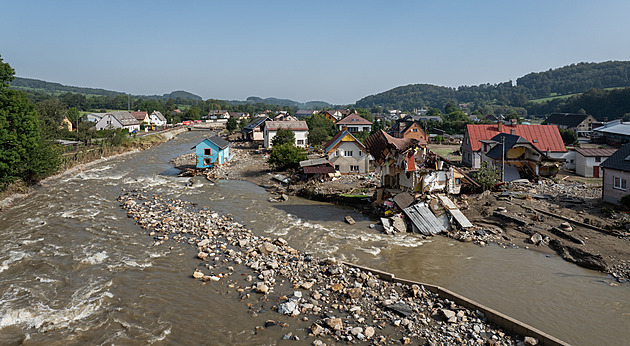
(617, 129)
(592, 152)
(290, 125)
(543, 137)
(423, 219)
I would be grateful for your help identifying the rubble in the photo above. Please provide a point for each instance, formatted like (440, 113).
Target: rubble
(325, 299)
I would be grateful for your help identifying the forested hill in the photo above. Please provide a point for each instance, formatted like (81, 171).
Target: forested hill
(283, 102)
(572, 79)
(576, 78)
(40, 86)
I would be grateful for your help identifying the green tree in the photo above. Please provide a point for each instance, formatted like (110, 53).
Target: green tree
(569, 137)
(232, 124)
(318, 120)
(286, 156)
(23, 153)
(283, 136)
(318, 135)
(487, 176)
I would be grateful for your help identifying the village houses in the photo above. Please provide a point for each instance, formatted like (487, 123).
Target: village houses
(299, 129)
(354, 123)
(347, 154)
(545, 138)
(117, 120)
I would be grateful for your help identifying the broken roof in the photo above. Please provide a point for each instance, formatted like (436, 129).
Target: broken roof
(216, 140)
(380, 143)
(423, 219)
(510, 142)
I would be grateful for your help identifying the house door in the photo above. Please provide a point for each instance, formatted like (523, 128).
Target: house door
(595, 171)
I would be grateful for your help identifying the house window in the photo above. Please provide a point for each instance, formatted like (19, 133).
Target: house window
(207, 151)
(207, 161)
(354, 168)
(360, 153)
(337, 153)
(458, 181)
(336, 167)
(414, 130)
(619, 183)
(347, 153)
(300, 142)
(598, 159)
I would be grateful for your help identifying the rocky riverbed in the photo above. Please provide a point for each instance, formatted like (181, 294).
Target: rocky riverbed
(314, 300)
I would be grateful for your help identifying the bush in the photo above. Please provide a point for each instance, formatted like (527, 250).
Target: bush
(286, 156)
(487, 176)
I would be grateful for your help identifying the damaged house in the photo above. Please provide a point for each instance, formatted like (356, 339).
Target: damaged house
(406, 164)
(518, 157)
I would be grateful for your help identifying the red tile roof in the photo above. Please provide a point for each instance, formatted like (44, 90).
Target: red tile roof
(353, 119)
(543, 137)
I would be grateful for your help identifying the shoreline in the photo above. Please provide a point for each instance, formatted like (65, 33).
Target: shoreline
(15, 197)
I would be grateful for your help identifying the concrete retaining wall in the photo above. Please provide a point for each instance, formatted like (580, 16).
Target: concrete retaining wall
(492, 316)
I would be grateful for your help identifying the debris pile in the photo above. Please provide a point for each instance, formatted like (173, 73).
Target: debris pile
(320, 299)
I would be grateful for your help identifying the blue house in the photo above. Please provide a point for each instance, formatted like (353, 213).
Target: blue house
(213, 151)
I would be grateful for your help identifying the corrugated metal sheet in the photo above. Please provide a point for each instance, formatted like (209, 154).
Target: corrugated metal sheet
(423, 219)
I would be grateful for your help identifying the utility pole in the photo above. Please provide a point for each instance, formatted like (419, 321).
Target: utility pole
(502, 158)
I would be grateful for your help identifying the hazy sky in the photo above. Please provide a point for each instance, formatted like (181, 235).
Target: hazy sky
(335, 51)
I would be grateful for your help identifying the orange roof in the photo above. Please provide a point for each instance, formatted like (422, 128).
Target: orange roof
(543, 137)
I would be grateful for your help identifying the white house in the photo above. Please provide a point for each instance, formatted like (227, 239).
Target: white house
(117, 120)
(587, 161)
(156, 118)
(299, 128)
(347, 154)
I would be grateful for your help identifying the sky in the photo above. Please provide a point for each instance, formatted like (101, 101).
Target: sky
(334, 51)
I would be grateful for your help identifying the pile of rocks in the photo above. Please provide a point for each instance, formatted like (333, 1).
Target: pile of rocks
(323, 299)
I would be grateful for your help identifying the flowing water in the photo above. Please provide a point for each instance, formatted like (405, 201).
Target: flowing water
(74, 269)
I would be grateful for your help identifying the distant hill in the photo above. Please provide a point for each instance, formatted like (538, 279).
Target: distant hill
(51, 88)
(571, 79)
(283, 102)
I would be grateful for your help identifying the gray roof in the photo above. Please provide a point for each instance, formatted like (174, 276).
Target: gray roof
(566, 119)
(510, 141)
(219, 142)
(618, 129)
(125, 118)
(258, 121)
(620, 160)
(159, 115)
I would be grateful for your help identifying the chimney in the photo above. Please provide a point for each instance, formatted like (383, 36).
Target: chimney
(513, 122)
(500, 126)
(512, 131)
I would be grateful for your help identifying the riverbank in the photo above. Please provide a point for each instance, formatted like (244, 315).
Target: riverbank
(313, 299)
(18, 191)
(530, 215)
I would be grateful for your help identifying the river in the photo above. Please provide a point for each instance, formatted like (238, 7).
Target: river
(74, 269)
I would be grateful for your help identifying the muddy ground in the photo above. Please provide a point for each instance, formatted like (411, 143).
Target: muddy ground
(526, 215)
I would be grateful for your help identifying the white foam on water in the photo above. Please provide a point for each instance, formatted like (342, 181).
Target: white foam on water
(372, 250)
(96, 258)
(14, 256)
(29, 241)
(162, 336)
(84, 303)
(45, 280)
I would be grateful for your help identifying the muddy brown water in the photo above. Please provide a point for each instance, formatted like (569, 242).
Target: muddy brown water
(74, 269)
